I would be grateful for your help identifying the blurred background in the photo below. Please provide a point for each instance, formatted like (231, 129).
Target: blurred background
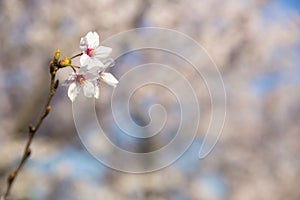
(255, 44)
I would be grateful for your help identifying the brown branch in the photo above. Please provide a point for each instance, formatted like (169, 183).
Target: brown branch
(32, 129)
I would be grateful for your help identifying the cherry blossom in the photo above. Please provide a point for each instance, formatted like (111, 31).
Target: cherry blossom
(93, 55)
(82, 80)
(90, 75)
(89, 82)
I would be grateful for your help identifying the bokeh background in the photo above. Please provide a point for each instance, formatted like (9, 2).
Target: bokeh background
(255, 44)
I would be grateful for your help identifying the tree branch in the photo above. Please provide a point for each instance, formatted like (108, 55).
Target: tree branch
(54, 66)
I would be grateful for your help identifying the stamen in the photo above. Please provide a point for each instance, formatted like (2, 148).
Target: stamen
(89, 52)
(80, 79)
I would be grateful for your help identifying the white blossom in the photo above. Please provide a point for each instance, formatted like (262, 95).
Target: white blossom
(83, 80)
(90, 75)
(88, 82)
(108, 78)
(93, 55)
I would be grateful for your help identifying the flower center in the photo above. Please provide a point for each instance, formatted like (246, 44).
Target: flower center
(79, 79)
(89, 52)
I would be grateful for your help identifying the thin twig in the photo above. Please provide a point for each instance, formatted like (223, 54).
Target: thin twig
(77, 55)
(32, 129)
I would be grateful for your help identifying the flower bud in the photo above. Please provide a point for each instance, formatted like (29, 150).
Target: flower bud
(57, 55)
(65, 62)
(11, 177)
(48, 108)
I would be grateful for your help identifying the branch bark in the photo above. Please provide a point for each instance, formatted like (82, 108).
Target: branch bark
(33, 128)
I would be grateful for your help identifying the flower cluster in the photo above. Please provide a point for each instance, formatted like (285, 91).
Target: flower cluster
(91, 72)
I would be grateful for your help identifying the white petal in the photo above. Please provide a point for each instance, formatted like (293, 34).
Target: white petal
(83, 44)
(82, 70)
(88, 89)
(109, 79)
(92, 75)
(69, 80)
(84, 59)
(92, 39)
(94, 62)
(90, 62)
(102, 52)
(73, 91)
(96, 95)
(109, 62)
